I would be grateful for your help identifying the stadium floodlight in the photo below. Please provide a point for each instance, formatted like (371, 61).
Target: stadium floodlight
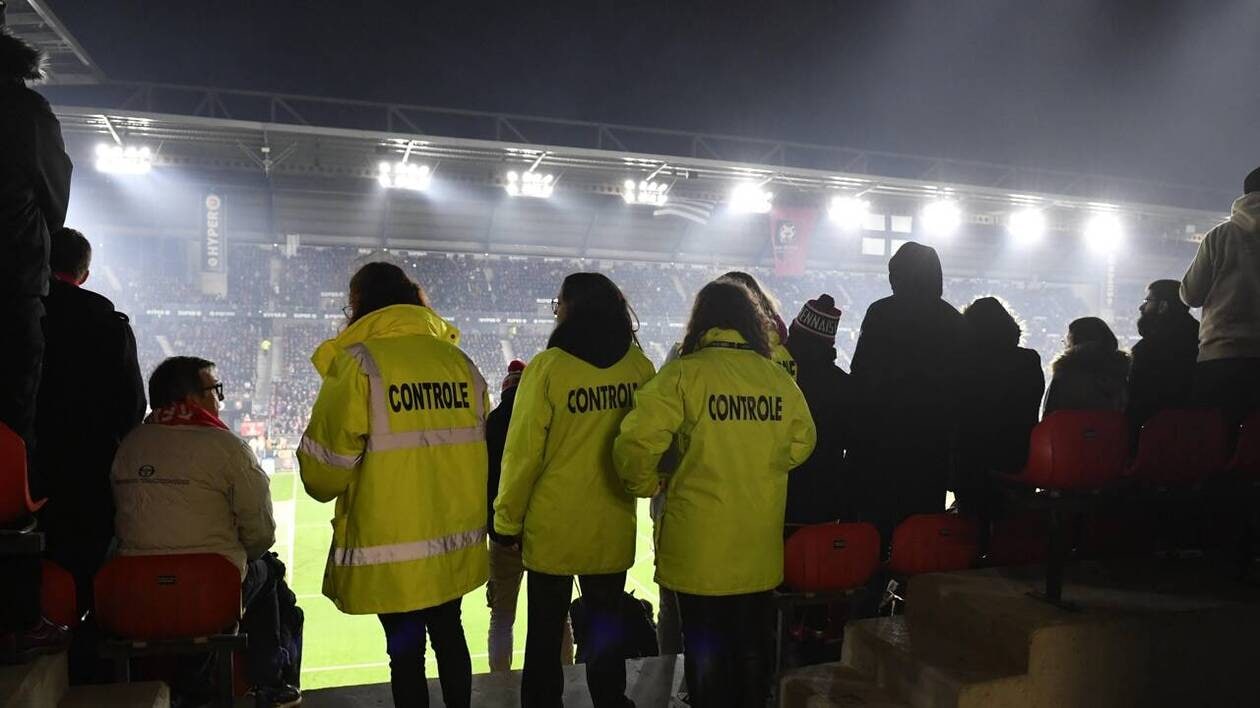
(941, 217)
(530, 184)
(848, 212)
(1027, 225)
(119, 160)
(404, 175)
(645, 192)
(1104, 233)
(750, 198)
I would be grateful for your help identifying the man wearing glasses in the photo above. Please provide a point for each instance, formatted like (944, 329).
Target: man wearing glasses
(183, 483)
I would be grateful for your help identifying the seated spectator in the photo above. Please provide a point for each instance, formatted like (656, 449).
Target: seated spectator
(1224, 280)
(1162, 374)
(183, 483)
(1091, 373)
(86, 344)
(1002, 388)
(506, 568)
(815, 489)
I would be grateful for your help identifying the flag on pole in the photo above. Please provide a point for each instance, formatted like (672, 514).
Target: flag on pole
(694, 210)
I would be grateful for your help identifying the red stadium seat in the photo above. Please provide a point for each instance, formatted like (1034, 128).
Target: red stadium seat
(57, 599)
(831, 557)
(168, 596)
(16, 504)
(1019, 540)
(934, 543)
(1246, 460)
(1181, 447)
(1077, 451)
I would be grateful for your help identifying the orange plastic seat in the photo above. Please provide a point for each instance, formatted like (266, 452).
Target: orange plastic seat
(57, 598)
(16, 504)
(1077, 451)
(934, 543)
(831, 557)
(1179, 447)
(168, 596)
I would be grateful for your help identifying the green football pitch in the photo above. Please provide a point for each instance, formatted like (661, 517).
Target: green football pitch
(343, 650)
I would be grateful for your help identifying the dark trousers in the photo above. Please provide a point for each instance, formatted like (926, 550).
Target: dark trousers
(1232, 385)
(21, 361)
(404, 641)
(542, 684)
(728, 643)
(273, 622)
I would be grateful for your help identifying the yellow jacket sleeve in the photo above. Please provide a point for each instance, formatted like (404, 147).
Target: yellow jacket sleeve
(524, 450)
(648, 430)
(804, 433)
(336, 436)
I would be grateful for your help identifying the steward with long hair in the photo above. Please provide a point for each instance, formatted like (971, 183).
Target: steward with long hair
(776, 330)
(397, 438)
(739, 424)
(559, 495)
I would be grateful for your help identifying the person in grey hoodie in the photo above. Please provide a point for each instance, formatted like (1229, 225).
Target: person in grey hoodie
(1224, 280)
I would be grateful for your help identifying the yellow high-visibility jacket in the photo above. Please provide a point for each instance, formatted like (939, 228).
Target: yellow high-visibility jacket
(780, 355)
(559, 484)
(739, 423)
(397, 437)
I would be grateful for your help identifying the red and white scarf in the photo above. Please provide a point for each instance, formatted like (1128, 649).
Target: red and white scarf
(185, 414)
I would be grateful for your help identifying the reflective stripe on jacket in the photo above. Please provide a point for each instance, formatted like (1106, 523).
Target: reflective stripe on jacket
(397, 438)
(559, 485)
(739, 423)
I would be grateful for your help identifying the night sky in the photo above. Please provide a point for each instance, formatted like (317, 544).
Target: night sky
(1160, 89)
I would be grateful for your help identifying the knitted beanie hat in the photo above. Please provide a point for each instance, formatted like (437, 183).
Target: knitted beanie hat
(515, 369)
(819, 317)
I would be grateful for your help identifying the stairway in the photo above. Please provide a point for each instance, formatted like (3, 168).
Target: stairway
(44, 683)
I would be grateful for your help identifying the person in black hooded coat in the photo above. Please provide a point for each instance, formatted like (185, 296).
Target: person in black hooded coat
(905, 372)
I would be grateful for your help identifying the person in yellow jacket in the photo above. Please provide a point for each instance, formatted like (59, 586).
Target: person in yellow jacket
(559, 494)
(777, 332)
(397, 438)
(739, 424)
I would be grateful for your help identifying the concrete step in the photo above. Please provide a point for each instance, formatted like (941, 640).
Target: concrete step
(144, 694)
(832, 686)
(928, 670)
(37, 684)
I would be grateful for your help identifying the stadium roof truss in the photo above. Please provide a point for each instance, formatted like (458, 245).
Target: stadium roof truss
(68, 62)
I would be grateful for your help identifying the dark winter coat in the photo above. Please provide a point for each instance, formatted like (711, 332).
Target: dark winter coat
(496, 438)
(905, 371)
(1088, 377)
(817, 489)
(1162, 371)
(90, 396)
(34, 189)
(1000, 403)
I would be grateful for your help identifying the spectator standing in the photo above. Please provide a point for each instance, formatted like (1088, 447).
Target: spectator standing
(906, 370)
(778, 332)
(1224, 279)
(506, 570)
(560, 499)
(1092, 373)
(740, 424)
(183, 483)
(397, 437)
(816, 492)
(1001, 397)
(1162, 372)
(34, 193)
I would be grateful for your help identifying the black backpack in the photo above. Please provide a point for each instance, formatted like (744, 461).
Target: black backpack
(637, 625)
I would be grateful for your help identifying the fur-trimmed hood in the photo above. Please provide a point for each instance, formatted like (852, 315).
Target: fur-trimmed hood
(1092, 358)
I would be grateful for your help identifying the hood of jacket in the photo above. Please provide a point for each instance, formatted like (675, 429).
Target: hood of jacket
(915, 271)
(600, 343)
(1093, 358)
(392, 321)
(1246, 213)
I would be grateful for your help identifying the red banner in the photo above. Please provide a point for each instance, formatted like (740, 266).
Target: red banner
(790, 231)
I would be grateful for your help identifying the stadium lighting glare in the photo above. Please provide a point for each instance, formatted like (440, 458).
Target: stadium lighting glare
(404, 175)
(750, 198)
(119, 160)
(645, 192)
(530, 184)
(848, 212)
(941, 217)
(1104, 233)
(1027, 226)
